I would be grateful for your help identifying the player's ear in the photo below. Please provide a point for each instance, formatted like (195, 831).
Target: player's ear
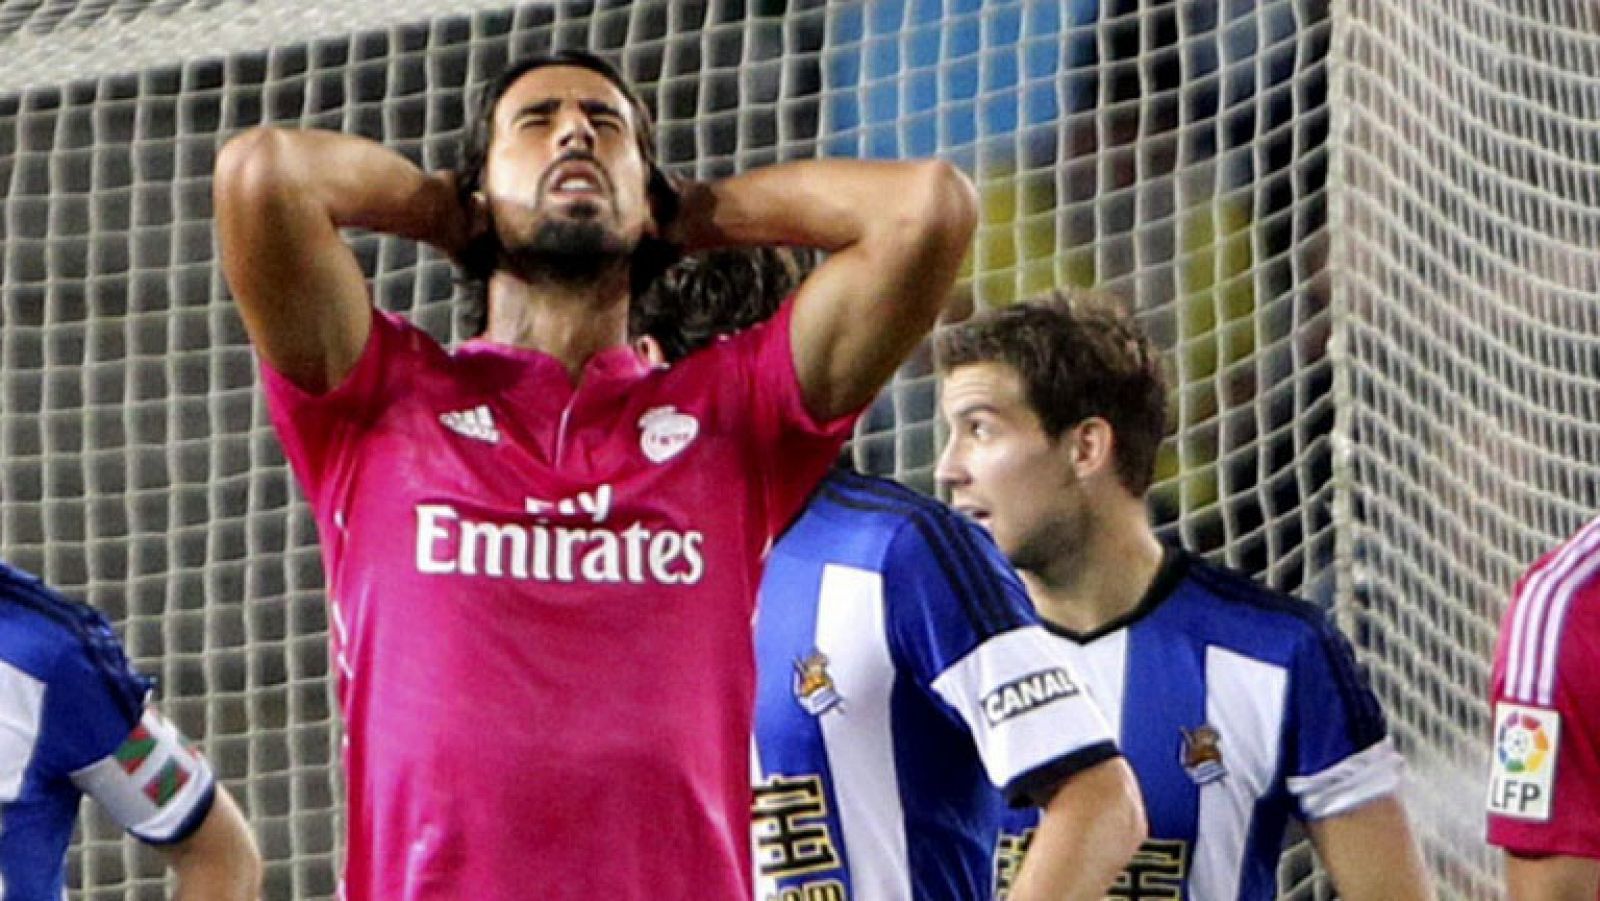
(1092, 445)
(650, 349)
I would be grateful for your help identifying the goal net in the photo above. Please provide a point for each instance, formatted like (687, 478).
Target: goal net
(1465, 230)
(1185, 154)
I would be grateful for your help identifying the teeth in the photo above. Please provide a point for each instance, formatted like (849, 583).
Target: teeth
(577, 183)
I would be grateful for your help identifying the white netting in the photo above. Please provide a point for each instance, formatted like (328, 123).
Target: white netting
(1176, 151)
(1467, 273)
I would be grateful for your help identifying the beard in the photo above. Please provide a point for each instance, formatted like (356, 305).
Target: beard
(574, 249)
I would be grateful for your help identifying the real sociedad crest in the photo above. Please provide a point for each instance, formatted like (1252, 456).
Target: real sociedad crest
(664, 433)
(1202, 754)
(813, 686)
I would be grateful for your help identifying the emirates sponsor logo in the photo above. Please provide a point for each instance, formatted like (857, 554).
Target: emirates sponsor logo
(664, 433)
(539, 550)
(476, 423)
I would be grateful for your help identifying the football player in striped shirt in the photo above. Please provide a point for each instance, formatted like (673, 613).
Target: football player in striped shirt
(75, 720)
(906, 691)
(1239, 708)
(1544, 780)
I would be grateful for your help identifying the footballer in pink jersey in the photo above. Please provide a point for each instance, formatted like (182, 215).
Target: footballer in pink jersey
(542, 554)
(1544, 779)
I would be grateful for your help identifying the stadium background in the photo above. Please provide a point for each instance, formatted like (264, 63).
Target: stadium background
(1364, 230)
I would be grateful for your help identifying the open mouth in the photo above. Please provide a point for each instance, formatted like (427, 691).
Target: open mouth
(976, 514)
(576, 180)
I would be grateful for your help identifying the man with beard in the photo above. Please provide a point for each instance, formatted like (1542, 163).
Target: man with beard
(542, 553)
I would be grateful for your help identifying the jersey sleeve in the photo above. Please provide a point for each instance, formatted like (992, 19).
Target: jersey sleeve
(154, 783)
(1339, 753)
(93, 695)
(960, 620)
(792, 448)
(1544, 766)
(319, 431)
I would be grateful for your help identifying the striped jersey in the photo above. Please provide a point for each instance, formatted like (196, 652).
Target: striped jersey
(906, 692)
(1238, 707)
(73, 721)
(1544, 772)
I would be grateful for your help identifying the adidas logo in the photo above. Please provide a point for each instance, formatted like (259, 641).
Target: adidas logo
(476, 423)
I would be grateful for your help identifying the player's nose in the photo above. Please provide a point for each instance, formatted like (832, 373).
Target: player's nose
(575, 133)
(950, 471)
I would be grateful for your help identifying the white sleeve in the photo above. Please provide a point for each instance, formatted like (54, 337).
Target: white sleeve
(1364, 776)
(155, 784)
(1029, 714)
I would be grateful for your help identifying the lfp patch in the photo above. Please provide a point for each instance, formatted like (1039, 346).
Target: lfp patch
(1522, 773)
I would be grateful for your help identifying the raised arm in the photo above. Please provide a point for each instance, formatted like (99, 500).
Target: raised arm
(281, 197)
(895, 233)
(219, 861)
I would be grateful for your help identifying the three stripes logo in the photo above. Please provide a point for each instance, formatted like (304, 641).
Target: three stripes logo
(476, 423)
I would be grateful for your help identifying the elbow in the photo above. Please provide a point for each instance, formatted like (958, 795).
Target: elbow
(946, 207)
(252, 167)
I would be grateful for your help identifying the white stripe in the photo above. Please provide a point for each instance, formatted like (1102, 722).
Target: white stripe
(21, 709)
(1529, 621)
(1244, 703)
(1562, 594)
(1103, 664)
(859, 739)
(766, 886)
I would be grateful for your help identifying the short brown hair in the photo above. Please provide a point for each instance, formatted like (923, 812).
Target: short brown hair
(1079, 354)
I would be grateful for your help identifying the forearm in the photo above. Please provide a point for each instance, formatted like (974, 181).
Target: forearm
(829, 205)
(353, 182)
(1555, 878)
(1089, 831)
(219, 862)
(1371, 854)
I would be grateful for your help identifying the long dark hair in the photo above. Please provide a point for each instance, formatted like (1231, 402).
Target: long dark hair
(479, 259)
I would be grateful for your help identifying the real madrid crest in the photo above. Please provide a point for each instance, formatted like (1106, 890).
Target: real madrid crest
(664, 433)
(1201, 754)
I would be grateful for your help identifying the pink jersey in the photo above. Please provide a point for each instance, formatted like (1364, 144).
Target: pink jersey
(1544, 784)
(541, 605)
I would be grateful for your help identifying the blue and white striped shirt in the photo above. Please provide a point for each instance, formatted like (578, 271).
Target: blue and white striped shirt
(1237, 707)
(906, 690)
(73, 721)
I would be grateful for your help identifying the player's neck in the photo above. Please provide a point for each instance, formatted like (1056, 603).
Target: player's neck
(1105, 576)
(569, 322)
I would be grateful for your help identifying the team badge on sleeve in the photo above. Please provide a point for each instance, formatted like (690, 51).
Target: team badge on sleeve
(1522, 772)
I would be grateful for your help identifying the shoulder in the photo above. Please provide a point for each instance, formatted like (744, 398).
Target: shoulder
(1250, 616)
(1553, 619)
(63, 643)
(913, 526)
